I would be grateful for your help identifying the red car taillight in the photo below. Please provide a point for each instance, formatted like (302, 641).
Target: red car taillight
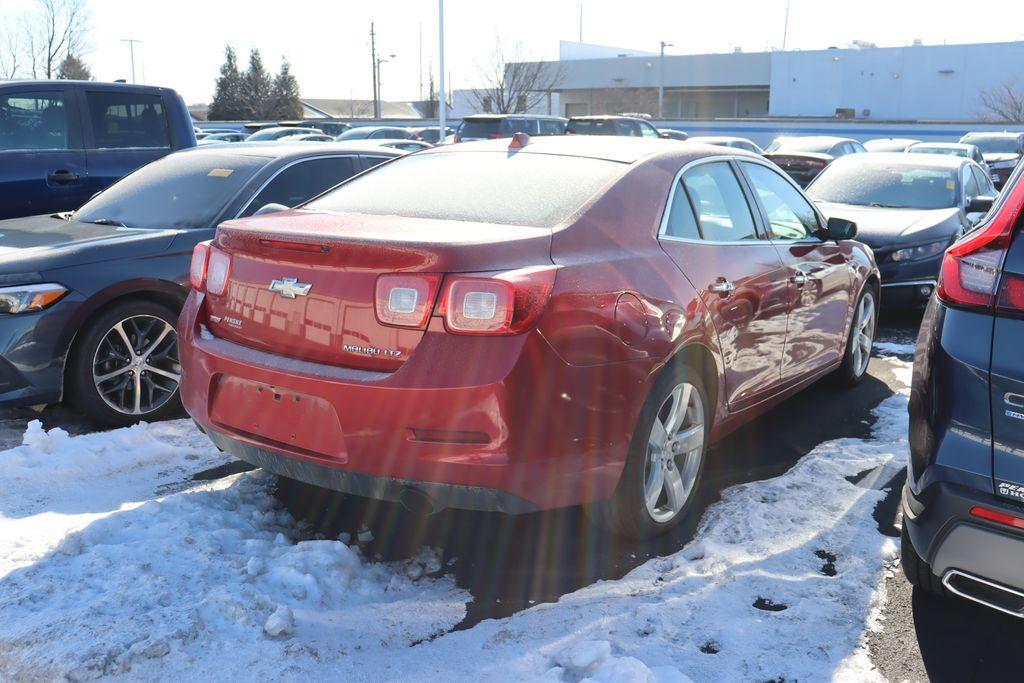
(405, 300)
(210, 269)
(197, 271)
(495, 303)
(970, 268)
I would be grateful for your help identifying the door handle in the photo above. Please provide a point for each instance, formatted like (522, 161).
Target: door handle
(722, 286)
(63, 177)
(799, 279)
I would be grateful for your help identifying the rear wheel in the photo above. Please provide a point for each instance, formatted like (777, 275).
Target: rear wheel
(862, 336)
(125, 367)
(917, 571)
(666, 459)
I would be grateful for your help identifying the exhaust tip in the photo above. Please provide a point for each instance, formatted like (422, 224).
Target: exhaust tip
(415, 502)
(985, 592)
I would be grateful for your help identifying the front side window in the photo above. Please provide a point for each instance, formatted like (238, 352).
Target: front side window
(649, 131)
(984, 182)
(121, 120)
(790, 216)
(551, 127)
(303, 180)
(629, 128)
(722, 211)
(971, 187)
(33, 121)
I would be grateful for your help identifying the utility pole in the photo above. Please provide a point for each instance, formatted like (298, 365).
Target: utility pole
(661, 78)
(380, 60)
(581, 21)
(131, 51)
(442, 96)
(421, 60)
(785, 27)
(373, 67)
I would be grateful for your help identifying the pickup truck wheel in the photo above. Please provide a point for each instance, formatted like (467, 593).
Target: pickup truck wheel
(124, 367)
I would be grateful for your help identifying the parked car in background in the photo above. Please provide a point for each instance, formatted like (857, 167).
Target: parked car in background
(889, 144)
(90, 298)
(1002, 151)
(803, 158)
(378, 133)
(673, 134)
(958, 149)
(62, 141)
(405, 145)
(493, 126)
(572, 294)
(307, 137)
(725, 141)
(611, 125)
(963, 525)
(216, 138)
(332, 128)
(276, 132)
(908, 209)
(431, 133)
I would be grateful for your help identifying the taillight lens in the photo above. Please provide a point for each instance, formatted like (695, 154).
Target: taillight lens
(405, 300)
(1011, 294)
(218, 269)
(197, 271)
(970, 268)
(496, 303)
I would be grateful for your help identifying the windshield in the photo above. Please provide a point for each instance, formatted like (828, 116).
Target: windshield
(994, 145)
(892, 185)
(537, 190)
(948, 151)
(184, 190)
(800, 145)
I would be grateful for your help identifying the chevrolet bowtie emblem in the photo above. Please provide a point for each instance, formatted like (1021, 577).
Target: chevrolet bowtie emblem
(289, 287)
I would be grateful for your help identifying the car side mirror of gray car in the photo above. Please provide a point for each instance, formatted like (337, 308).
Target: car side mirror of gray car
(980, 204)
(840, 229)
(270, 208)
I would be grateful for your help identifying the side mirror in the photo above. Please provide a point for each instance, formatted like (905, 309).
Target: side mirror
(980, 204)
(270, 208)
(839, 229)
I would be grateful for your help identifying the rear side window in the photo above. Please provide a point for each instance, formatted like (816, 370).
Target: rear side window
(592, 127)
(722, 210)
(33, 121)
(537, 190)
(681, 221)
(303, 180)
(549, 127)
(127, 120)
(479, 128)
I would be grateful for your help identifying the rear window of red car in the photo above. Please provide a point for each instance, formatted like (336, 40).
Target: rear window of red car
(536, 190)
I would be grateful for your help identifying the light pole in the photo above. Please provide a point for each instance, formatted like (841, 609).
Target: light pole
(131, 51)
(441, 94)
(380, 98)
(661, 77)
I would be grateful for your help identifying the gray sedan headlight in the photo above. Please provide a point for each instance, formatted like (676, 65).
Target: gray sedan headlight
(27, 298)
(922, 251)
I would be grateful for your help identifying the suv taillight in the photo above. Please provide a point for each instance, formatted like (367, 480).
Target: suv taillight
(970, 269)
(495, 303)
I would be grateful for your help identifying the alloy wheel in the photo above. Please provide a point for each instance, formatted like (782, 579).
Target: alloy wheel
(863, 331)
(675, 449)
(135, 368)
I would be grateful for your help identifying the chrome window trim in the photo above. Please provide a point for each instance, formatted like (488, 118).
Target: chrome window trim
(263, 186)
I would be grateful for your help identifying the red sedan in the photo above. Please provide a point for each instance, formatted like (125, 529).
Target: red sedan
(521, 326)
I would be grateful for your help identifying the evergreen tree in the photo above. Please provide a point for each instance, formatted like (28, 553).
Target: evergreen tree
(285, 94)
(257, 86)
(228, 104)
(74, 69)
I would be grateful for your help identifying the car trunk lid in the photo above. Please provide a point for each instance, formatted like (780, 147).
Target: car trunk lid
(339, 257)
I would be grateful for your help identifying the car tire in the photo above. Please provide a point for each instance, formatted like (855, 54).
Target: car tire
(629, 513)
(918, 572)
(101, 347)
(857, 354)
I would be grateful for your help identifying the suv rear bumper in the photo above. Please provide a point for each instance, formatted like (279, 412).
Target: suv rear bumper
(951, 540)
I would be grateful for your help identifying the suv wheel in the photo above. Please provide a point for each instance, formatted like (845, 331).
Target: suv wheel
(917, 571)
(124, 367)
(662, 475)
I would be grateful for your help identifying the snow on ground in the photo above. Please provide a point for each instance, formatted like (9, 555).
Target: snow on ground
(782, 580)
(894, 348)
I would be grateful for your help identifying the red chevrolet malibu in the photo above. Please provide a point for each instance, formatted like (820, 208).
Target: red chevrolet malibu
(523, 325)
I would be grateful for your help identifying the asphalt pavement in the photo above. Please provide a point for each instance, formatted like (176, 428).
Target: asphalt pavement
(510, 563)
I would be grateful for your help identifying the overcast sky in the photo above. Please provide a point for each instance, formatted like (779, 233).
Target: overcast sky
(327, 41)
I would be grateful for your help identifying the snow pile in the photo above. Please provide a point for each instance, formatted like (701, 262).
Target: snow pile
(894, 348)
(178, 582)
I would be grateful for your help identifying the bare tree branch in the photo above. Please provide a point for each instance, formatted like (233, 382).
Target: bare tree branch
(512, 85)
(1004, 101)
(12, 48)
(55, 29)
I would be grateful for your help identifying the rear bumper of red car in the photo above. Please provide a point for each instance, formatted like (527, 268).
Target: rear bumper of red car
(498, 424)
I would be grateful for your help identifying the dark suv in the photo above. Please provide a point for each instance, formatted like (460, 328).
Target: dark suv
(492, 126)
(963, 505)
(630, 126)
(61, 142)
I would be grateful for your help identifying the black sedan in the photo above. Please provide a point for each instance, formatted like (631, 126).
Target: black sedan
(908, 209)
(803, 158)
(89, 300)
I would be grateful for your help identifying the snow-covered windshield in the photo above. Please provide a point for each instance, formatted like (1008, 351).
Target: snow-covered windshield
(183, 190)
(898, 186)
(537, 190)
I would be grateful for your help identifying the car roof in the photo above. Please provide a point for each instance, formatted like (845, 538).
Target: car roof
(624, 149)
(702, 138)
(607, 117)
(488, 117)
(296, 150)
(58, 84)
(992, 134)
(944, 145)
(823, 138)
(904, 159)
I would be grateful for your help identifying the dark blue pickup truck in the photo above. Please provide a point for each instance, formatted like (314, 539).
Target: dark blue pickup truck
(61, 142)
